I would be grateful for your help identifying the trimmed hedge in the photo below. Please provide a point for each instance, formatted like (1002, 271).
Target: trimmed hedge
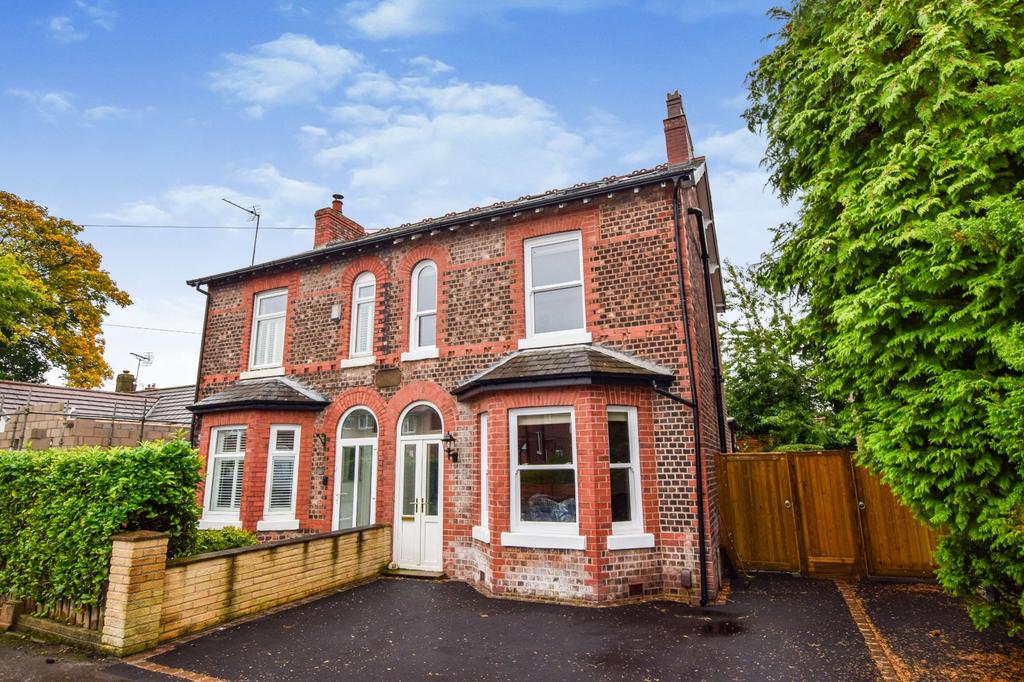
(59, 508)
(215, 540)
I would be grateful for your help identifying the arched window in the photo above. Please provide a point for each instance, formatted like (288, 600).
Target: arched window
(354, 494)
(363, 292)
(423, 307)
(421, 420)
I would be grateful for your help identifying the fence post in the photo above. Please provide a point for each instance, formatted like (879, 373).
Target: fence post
(135, 592)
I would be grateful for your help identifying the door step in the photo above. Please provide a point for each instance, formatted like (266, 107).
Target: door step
(411, 573)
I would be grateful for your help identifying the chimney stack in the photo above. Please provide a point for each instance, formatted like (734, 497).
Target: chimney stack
(333, 226)
(678, 143)
(125, 382)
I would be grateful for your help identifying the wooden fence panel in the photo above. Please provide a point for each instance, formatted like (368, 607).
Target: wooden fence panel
(826, 512)
(761, 525)
(896, 543)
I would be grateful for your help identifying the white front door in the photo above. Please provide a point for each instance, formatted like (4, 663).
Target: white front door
(418, 508)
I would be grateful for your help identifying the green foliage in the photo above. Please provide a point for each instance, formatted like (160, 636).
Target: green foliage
(214, 540)
(60, 507)
(771, 381)
(798, 447)
(900, 125)
(53, 296)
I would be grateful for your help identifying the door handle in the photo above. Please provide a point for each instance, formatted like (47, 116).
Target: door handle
(787, 504)
(860, 504)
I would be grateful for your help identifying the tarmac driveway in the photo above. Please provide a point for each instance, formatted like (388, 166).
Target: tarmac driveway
(778, 628)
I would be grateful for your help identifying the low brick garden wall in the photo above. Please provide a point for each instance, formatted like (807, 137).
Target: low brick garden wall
(151, 600)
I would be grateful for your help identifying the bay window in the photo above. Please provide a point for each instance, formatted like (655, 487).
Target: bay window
(282, 477)
(223, 497)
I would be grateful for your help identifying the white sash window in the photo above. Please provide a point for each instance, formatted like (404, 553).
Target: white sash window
(282, 479)
(268, 320)
(363, 292)
(225, 466)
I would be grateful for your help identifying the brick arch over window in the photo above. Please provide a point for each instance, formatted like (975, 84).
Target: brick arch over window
(357, 267)
(403, 276)
(421, 391)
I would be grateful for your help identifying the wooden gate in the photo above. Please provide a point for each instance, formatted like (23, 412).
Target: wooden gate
(816, 513)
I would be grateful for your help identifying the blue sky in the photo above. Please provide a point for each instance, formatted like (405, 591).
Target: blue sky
(148, 113)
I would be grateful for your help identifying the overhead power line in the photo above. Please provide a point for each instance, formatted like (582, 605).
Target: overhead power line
(193, 227)
(149, 329)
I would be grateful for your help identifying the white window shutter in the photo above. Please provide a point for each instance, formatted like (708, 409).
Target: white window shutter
(364, 327)
(282, 479)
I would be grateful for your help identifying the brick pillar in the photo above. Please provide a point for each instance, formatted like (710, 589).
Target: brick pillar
(135, 592)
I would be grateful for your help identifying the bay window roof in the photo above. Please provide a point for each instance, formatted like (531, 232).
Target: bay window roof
(265, 393)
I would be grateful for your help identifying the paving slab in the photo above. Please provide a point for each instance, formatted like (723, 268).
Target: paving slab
(930, 633)
(779, 628)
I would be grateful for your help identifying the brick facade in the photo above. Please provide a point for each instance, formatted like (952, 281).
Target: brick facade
(632, 304)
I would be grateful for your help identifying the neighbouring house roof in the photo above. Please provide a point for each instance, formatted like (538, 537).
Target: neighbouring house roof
(266, 393)
(564, 365)
(172, 404)
(691, 171)
(155, 404)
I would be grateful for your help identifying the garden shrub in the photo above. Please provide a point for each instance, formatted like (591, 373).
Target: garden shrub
(60, 507)
(215, 540)
(798, 447)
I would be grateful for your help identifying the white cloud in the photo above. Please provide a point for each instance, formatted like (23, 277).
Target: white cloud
(403, 18)
(291, 69)
(101, 12)
(106, 112)
(48, 104)
(63, 30)
(431, 66)
(739, 147)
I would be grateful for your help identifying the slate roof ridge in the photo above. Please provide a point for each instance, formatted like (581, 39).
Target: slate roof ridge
(626, 357)
(301, 388)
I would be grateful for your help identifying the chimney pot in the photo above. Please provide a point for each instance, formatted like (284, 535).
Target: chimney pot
(336, 204)
(125, 382)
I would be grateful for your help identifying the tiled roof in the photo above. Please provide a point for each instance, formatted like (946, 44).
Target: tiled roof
(270, 392)
(172, 404)
(662, 172)
(583, 362)
(92, 404)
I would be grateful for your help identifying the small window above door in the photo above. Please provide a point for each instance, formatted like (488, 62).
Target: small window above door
(421, 420)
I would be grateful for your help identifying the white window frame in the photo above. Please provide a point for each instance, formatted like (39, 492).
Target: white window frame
(281, 519)
(630, 534)
(417, 351)
(257, 318)
(482, 532)
(542, 534)
(561, 337)
(354, 442)
(357, 359)
(220, 518)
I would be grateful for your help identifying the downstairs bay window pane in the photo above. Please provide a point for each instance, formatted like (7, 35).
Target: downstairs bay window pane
(558, 310)
(547, 495)
(618, 437)
(282, 478)
(621, 505)
(227, 484)
(544, 439)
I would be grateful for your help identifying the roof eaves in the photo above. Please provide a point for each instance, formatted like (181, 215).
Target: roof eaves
(688, 171)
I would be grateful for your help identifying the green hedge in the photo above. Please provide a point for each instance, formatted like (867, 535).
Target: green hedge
(58, 509)
(215, 540)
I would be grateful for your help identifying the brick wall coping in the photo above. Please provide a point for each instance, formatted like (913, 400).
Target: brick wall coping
(184, 561)
(138, 535)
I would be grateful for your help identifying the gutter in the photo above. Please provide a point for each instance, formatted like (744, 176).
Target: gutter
(685, 172)
(199, 367)
(693, 403)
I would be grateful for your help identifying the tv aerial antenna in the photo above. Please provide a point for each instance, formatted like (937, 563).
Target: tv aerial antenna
(144, 360)
(254, 214)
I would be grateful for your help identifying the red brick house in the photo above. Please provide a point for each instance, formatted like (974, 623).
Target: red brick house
(517, 389)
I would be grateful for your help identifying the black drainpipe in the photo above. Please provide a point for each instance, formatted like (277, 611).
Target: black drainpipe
(692, 404)
(712, 325)
(199, 369)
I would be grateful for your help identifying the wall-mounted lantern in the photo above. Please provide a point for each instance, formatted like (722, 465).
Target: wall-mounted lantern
(449, 447)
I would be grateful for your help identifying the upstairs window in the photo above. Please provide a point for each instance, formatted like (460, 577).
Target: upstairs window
(554, 286)
(268, 317)
(363, 292)
(423, 307)
(227, 459)
(281, 471)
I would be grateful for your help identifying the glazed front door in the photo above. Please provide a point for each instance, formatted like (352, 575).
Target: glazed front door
(418, 487)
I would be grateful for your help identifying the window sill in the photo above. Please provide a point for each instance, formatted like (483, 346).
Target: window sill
(260, 373)
(556, 339)
(362, 361)
(420, 354)
(482, 534)
(543, 541)
(634, 541)
(277, 524)
(216, 523)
